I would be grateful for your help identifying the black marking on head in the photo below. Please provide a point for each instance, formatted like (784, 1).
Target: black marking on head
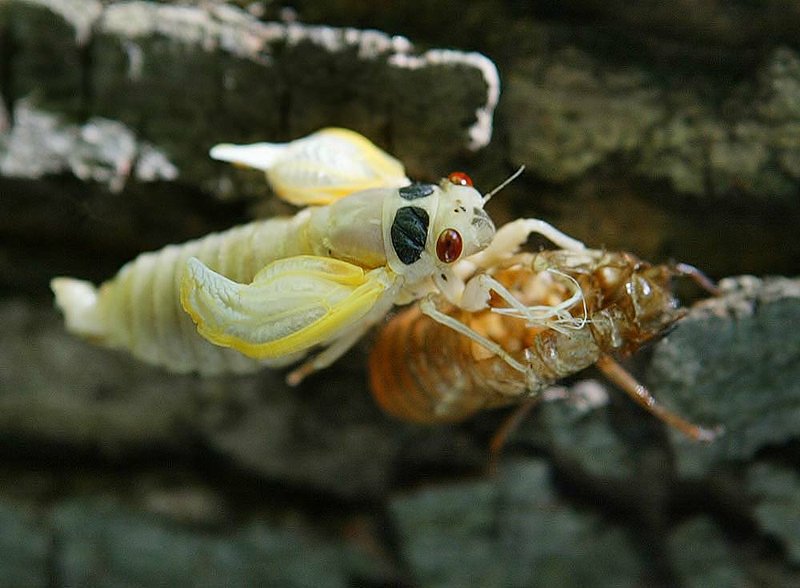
(444, 277)
(415, 191)
(409, 233)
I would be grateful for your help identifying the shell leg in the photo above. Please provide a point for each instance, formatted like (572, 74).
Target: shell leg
(510, 424)
(641, 395)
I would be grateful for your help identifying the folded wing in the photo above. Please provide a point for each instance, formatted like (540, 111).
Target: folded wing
(291, 305)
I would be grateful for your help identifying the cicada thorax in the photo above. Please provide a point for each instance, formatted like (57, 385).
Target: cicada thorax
(415, 230)
(350, 229)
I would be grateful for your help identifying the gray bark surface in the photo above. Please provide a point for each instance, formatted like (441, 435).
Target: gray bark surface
(669, 129)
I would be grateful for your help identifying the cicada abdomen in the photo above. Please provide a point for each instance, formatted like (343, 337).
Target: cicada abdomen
(140, 310)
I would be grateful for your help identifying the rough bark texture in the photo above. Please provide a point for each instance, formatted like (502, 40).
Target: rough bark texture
(668, 129)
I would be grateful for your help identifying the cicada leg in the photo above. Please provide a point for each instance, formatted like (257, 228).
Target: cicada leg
(475, 296)
(327, 356)
(641, 395)
(698, 277)
(428, 307)
(343, 343)
(511, 236)
(508, 426)
(477, 292)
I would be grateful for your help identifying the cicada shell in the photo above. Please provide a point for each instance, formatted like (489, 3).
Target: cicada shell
(423, 372)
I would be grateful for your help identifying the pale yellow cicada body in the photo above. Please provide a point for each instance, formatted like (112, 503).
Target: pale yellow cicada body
(268, 292)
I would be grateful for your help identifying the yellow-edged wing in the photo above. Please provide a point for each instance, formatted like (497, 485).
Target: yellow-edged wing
(320, 168)
(291, 305)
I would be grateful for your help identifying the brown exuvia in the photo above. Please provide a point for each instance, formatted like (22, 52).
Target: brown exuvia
(424, 372)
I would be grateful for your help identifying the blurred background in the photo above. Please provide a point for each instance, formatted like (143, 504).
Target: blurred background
(669, 129)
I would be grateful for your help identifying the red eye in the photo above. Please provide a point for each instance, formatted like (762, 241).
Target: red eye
(449, 246)
(460, 179)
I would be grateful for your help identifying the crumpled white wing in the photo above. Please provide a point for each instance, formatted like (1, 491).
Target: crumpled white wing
(319, 168)
(291, 305)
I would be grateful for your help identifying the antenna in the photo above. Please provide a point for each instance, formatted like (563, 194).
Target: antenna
(505, 183)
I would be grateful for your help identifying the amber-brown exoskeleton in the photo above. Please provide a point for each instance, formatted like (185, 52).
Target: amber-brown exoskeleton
(423, 372)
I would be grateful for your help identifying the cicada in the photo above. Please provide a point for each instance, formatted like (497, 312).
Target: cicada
(505, 359)
(268, 292)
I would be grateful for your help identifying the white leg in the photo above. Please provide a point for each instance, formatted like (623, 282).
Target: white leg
(478, 290)
(428, 307)
(327, 356)
(511, 236)
(343, 343)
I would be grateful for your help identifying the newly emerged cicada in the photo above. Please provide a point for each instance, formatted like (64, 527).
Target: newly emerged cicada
(268, 292)
(505, 359)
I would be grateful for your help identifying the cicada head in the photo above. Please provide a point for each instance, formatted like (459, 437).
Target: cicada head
(430, 227)
(650, 302)
(461, 227)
